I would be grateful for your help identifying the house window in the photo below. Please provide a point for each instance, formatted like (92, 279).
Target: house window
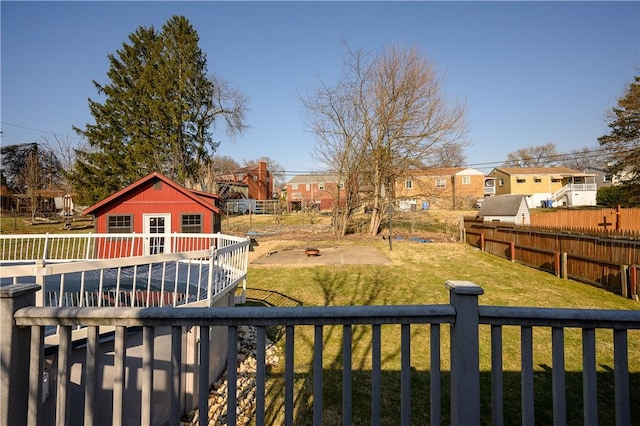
(341, 185)
(520, 180)
(308, 187)
(191, 223)
(321, 186)
(294, 186)
(537, 180)
(556, 180)
(501, 182)
(441, 183)
(120, 224)
(466, 180)
(408, 184)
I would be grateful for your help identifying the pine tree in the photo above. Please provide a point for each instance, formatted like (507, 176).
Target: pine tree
(158, 108)
(623, 141)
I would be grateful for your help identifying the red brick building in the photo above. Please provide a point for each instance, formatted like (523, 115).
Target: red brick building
(313, 191)
(255, 180)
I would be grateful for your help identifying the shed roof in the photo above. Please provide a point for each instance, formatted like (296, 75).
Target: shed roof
(205, 199)
(501, 205)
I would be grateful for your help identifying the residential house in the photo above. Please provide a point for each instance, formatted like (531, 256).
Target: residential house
(318, 191)
(450, 187)
(604, 179)
(547, 186)
(156, 205)
(256, 179)
(505, 208)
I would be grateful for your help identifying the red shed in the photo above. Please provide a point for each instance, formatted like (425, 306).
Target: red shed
(155, 205)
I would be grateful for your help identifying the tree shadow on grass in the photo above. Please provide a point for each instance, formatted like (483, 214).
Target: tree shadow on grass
(420, 398)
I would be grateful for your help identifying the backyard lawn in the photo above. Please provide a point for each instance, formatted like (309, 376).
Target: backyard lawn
(416, 276)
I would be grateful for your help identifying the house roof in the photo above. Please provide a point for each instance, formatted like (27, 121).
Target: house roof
(501, 205)
(202, 198)
(445, 171)
(560, 171)
(313, 178)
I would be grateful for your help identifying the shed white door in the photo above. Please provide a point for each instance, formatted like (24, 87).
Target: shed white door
(158, 227)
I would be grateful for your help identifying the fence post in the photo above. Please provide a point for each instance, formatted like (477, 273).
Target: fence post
(633, 276)
(482, 241)
(513, 251)
(624, 288)
(465, 353)
(557, 265)
(564, 273)
(15, 350)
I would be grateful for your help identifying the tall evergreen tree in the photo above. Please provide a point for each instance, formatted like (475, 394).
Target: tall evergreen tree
(158, 110)
(623, 141)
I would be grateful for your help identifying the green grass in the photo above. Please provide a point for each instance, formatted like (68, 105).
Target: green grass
(417, 276)
(10, 224)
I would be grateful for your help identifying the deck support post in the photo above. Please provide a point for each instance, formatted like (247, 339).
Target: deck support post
(465, 353)
(15, 350)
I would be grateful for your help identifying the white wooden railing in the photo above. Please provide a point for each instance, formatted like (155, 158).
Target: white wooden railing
(97, 270)
(573, 187)
(65, 247)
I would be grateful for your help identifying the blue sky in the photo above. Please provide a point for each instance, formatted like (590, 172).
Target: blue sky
(531, 73)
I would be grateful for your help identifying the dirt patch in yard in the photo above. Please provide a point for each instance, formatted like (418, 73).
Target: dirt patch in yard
(353, 255)
(288, 248)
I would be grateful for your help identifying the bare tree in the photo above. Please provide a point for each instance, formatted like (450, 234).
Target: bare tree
(390, 109)
(534, 156)
(334, 116)
(32, 180)
(584, 158)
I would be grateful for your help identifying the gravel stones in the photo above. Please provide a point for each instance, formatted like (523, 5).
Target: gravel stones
(246, 382)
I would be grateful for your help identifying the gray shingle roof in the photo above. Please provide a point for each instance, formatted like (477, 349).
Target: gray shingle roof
(501, 205)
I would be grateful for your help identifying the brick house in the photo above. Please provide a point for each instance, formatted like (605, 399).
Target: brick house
(255, 180)
(313, 191)
(446, 188)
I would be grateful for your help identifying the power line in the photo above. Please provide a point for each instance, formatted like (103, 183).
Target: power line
(41, 131)
(557, 157)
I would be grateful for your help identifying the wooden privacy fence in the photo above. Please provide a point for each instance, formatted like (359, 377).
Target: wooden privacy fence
(601, 221)
(610, 263)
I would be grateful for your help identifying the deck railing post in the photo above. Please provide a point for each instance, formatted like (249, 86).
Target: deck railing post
(465, 353)
(15, 350)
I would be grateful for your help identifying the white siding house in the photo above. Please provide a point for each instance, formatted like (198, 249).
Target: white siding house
(505, 208)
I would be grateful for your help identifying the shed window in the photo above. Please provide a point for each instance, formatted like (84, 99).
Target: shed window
(120, 224)
(441, 183)
(191, 223)
(466, 180)
(157, 186)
